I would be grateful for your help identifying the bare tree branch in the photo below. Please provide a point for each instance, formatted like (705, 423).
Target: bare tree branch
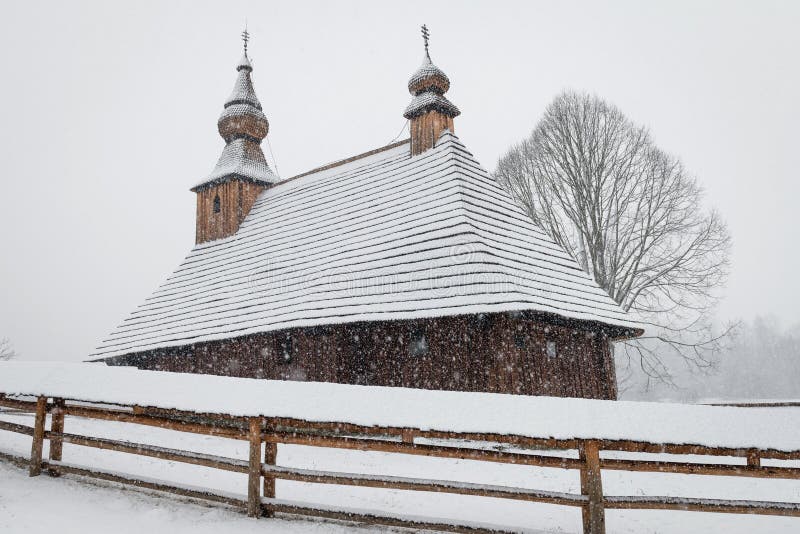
(632, 217)
(7, 352)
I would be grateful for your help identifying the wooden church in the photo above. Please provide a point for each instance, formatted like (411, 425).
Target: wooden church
(403, 266)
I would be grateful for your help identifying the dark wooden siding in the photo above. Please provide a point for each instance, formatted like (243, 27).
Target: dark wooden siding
(426, 129)
(235, 200)
(500, 353)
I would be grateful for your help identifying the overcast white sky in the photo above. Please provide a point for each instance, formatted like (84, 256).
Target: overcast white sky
(109, 115)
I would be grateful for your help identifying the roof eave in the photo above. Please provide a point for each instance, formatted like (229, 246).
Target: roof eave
(230, 178)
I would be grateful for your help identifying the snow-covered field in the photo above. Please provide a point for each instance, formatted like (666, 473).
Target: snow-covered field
(39, 505)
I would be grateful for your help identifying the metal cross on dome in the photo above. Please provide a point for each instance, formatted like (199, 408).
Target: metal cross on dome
(425, 36)
(245, 38)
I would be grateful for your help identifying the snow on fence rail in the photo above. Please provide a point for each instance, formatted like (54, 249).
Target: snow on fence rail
(267, 413)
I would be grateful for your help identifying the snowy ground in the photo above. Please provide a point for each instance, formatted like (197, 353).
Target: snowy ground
(39, 505)
(67, 504)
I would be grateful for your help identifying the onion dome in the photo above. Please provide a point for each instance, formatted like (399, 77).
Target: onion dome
(428, 77)
(243, 126)
(428, 86)
(242, 115)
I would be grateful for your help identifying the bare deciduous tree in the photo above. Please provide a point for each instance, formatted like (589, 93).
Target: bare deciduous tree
(7, 352)
(632, 217)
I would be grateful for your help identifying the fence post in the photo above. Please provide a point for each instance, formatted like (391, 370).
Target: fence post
(254, 472)
(753, 460)
(270, 458)
(56, 443)
(594, 517)
(38, 437)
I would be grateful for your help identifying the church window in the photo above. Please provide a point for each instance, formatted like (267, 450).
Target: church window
(216, 204)
(418, 345)
(286, 349)
(551, 349)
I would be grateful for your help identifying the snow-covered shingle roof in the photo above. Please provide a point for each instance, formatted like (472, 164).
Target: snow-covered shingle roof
(425, 102)
(239, 162)
(383, 237)
(243, 92)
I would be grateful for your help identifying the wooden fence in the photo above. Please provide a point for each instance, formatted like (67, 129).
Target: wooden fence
(262, 471)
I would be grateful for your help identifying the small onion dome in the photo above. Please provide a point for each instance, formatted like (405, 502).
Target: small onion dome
(428, 77)
(428, 86)
(242, 116)
(241, 120)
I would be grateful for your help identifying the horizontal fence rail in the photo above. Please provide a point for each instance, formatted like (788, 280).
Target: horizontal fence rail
(266, 434)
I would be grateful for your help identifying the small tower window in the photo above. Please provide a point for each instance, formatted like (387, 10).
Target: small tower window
(551, 349)
(216, 204)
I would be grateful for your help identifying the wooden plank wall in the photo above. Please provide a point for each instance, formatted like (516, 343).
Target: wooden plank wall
(236, 198)
(426, 129)
(501, 353)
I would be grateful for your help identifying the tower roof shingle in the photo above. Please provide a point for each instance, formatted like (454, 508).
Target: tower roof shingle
(243, 125)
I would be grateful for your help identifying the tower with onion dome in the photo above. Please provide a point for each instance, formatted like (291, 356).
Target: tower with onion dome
(430, 112)
(226, 195)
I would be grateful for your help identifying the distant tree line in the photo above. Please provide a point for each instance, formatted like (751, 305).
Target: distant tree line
(761, 361)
